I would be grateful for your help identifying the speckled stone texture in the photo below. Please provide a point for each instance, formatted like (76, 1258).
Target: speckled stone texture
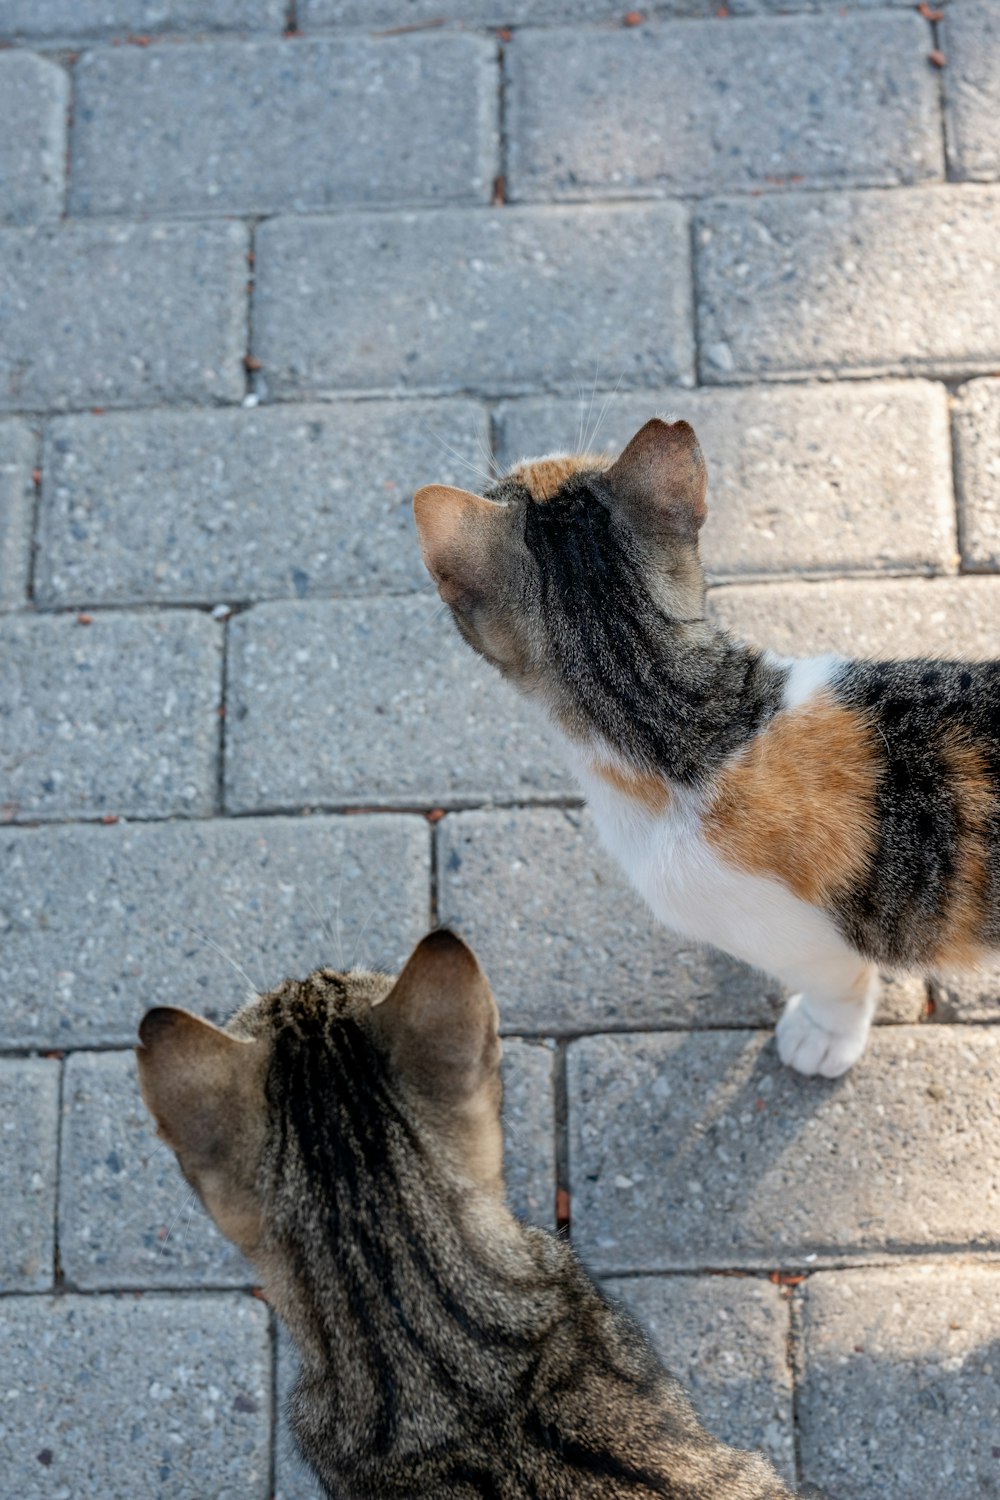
(727, 1340)
(264, 127)
(345, 473)
(977, 467)
(97, 925)
(58, 20)
(570, 946)
(17, 457)
(463, 292)
(29, 1125)
(529, 1136)
(972, 995)
(678, 110)
(121, 314)
(120, 1396)
(34, 99)
(803, 480)
(116, 717)
(970, 36)
(700, 1150)
(833, 283)
(898, 1395)
(899, 618)
(310, 724)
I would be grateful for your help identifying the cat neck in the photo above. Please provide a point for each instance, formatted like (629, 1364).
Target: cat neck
(671, 698)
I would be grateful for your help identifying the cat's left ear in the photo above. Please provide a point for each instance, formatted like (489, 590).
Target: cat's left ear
(440, 1022)
(457, 531)
(660, 479)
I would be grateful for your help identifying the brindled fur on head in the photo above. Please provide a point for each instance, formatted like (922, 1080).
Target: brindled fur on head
(345, 1131)
(816, 818)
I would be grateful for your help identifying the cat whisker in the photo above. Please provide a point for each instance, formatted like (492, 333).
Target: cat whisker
(603, 413)
(188, 1200)
(461, 458)
(360, 936)
(211, 943)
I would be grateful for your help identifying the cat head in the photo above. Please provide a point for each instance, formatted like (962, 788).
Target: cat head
(323, 1101)
(569, 558)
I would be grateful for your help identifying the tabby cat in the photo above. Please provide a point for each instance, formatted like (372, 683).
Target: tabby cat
(816, 817)
(344, 1132)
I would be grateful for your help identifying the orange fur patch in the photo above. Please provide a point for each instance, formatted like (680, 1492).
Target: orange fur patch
(799, 803)
(649, 791)
(961, 942)
(545, 477)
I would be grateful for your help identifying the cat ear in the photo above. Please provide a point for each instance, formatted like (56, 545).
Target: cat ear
(440, 1020)
(455, 529)
(660, 478)
(198, 1083)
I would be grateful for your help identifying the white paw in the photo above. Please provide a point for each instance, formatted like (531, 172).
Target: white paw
(809, 1047)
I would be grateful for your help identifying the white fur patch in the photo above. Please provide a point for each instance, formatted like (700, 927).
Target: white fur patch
(808, 675)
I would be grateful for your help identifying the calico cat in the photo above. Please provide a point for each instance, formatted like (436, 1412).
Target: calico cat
(344, 1132)
(817, 818)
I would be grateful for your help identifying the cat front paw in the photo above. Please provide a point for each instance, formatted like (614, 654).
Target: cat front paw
(811, 1048)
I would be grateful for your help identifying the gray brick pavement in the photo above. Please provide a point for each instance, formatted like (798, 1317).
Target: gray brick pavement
(344, 474)
(29, 1124)
(116, 717)
(121, 314)
(971, 996)
(529, 1136)
(120, 1396)
(17, 458)
(727, 1339)
(257, 128)
(977, 468)
(462, 295)
(700, 1150)
(98, 924)
(61, 20)
(308, 723)
(900, 617)
(867, 448)
(835, 283)
(698, 108)
(970, 35)
(34, 99)
(898, 1396)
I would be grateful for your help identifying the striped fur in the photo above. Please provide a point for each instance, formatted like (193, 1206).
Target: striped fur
(447, 1350)
(820, 818)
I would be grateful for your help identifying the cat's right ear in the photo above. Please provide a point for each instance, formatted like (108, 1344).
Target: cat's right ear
(660, 479)
(440, 1020)
(456, 530)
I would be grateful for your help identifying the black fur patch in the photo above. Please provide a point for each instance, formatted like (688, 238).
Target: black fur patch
(668, 702)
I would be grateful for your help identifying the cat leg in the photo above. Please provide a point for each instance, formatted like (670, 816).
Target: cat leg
(825, 1028)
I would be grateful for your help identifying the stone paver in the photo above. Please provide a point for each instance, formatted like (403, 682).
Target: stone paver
(698, 108)
(29, 1123)
(898, 1396)
(973, 995)
(58, 20)
(864, 283)
(977, 467)
(126, 1216)
(971, 38)
(452, 301)
(568, 945)
(116, 717)
(727, 1340)
(502, 13)
(897, 618)
(17, 457)
(700, 1150)
(119, 1396)
(529, 1130)
(121, 314)
(851, 478)
(308, 722)
(98, 924)
(34, 98)
(265, 127)
(345, 473)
